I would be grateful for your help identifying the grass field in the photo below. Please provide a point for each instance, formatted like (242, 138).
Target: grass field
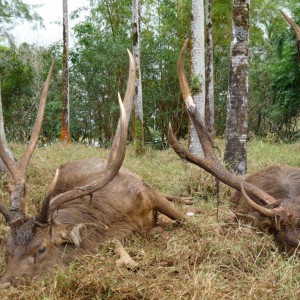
(203, 259)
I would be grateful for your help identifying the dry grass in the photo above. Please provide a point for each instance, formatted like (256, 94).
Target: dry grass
(202, 260)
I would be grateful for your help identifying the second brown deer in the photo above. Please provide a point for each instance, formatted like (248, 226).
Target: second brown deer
(269, 199)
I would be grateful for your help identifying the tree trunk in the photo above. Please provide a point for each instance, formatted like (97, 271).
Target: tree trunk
(198, 70)
(237, 106)
(65, 118)
(209, 84)
(138, 101)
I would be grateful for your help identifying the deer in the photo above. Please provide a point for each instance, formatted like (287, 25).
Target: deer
(268, 199)
(89, 202)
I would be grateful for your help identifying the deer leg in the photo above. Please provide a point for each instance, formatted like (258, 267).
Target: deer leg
(163, 220)
(163, 206)
(125, 260)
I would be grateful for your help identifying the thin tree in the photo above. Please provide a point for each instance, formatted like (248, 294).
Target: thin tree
(65, 117)
(237, 103)
(198, 70)
(209, 73)
(138, 101)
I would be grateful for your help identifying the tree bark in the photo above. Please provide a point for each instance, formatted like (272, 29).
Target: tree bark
(237, 105)
(198, 70)
(138, 101)
(209, 72)
(65, 118)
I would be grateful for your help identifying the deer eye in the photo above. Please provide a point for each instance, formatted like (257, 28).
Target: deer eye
(41, 251)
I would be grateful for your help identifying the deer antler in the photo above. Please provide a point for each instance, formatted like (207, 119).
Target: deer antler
(45, 206)
(18, 169)
(296, 29)
(115, 160)
(210, 162)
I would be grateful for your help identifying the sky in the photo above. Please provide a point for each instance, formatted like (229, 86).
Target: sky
(51, 12)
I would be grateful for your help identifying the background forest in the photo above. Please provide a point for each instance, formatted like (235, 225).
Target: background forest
(98, 70)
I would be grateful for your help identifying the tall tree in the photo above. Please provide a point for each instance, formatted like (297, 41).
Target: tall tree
(138, 101)
(198, 69)
(237, 103)
(209, 72)
(65, 117)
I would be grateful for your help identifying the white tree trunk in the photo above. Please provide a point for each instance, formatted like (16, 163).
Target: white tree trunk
(138, 101)
(198, 69)
(237, 104)
(65, 130)
(210, 99)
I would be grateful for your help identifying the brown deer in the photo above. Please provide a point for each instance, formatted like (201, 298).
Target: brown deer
(88, 202)
(270, 199)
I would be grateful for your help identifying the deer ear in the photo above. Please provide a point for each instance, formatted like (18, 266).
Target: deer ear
(71, 234)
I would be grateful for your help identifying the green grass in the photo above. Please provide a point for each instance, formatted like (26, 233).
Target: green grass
(203, 259)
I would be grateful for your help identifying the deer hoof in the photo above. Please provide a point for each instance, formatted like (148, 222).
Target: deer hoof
(128, 263)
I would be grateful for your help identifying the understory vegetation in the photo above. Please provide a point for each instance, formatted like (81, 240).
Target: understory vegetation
(203, 259)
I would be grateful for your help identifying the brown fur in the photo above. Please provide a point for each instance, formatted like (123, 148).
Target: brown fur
(122, 207)
(283, 183)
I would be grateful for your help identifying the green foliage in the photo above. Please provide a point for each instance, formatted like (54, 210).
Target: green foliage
(22, 74)
(99, 65)
(161, 93)
(285, 88)
(275, 78)
(195, 84)
(16, 83)
(13, 12)
(99, 72)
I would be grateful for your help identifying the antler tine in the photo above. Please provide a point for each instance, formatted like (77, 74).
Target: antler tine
(184, 87)
(210, 163)
(42, 218)
(116, 156)
(130, 90)
(128, 99)
(296, 29)
(263, 210)
(197, 119)
(117, 152)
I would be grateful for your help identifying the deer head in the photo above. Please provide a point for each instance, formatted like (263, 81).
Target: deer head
(37, 243)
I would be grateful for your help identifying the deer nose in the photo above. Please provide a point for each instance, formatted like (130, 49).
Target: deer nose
(7, 282)
(17, 280)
